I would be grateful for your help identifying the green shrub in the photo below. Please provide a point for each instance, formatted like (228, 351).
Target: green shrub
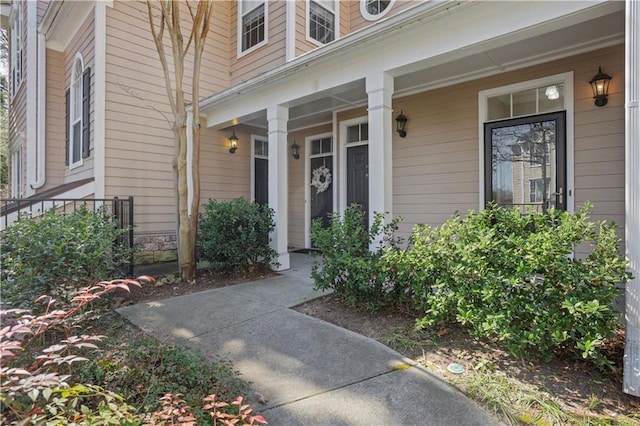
(144, 371)
(348, 266)
(234, 235)
(57, 254)
(512, 277)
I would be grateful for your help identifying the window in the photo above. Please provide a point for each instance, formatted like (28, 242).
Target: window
(358, 133)
(253, 28)
(539, 190)
(16, 48)
(321, 146)
(372, 10)
(77, 114)
(322, 21)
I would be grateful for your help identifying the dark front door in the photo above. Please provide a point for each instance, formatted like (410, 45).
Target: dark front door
(525, 162)
(322, 188)
(358, 177)
(261, 182)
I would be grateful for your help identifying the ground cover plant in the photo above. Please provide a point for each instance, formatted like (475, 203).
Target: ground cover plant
(234, 235)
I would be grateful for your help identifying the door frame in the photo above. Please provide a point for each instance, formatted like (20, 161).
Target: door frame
(567, 80)
(307, 181)
(343, 156)
(252, 158)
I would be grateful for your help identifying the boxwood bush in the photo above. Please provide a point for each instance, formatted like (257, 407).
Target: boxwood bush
(56, 254)
(512, 277)
(234, 235)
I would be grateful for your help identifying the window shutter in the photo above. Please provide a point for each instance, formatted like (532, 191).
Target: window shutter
(86, 90)
(67, 101)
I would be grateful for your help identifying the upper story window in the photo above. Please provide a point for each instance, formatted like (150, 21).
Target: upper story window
(253, 28)
(322, 20)
(77, 112)
(16, 47)
(372, 10)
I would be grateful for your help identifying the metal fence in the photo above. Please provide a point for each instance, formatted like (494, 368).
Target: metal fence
(121, 209)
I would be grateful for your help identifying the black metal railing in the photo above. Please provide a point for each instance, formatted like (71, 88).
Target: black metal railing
(121, 209)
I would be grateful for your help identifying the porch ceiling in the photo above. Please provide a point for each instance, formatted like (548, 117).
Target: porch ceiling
(511, 52)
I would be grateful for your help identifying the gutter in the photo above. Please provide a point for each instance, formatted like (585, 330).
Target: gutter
(395, 23)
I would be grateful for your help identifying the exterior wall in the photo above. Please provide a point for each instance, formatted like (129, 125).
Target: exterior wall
(55, 128)
(435, 168)
(303, 45)
(263, 58)
(83, 43)
(357, 21)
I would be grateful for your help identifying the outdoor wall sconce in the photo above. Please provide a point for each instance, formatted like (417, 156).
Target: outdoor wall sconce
(295, 150)
(600, 86)
(233, 143)
(401, 123)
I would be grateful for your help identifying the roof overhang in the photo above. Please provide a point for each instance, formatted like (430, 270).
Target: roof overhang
(432, 45)
(62, 20)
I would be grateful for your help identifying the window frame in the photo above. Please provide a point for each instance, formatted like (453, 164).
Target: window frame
(17, 48)
(17, 166)
(76, 96)
(567, 80)
(370, 17)
(240, 26)
(336, 7)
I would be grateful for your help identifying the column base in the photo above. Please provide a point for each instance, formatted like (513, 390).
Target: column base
(283, 261)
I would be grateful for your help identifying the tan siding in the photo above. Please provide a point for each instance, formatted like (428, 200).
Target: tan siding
(55, 125)
(302, 44)
(435, 168)
(140, 147)
(357, 21)
(266, 57)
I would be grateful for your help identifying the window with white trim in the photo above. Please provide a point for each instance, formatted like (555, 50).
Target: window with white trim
(75, 114)
(16, 48)
(253, 28)
(322, 21)
(372, 10)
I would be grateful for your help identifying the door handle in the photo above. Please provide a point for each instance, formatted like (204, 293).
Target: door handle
(559, 195)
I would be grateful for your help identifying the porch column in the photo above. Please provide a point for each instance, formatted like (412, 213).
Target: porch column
(277, 116)
(631, 384)
(379, 90)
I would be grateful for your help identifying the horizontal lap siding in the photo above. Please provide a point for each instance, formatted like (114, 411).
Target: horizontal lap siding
(265, 57)
(358, 22)
(140, 147)
(435, 168)
(302, 44)
(55, 113)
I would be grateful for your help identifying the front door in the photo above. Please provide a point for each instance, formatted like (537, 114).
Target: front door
(525, 162)
(358, 177)
(321, 178)
(261, 171)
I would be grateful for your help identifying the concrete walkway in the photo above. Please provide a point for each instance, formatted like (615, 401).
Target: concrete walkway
(309, 371)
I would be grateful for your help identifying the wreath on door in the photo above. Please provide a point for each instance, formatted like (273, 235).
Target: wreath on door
(321, 179)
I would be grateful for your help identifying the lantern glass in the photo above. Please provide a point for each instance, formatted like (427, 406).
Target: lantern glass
(233, 143)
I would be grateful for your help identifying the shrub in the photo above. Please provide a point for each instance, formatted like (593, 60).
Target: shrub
(234, 235)
(348, 266)
(512, 277)
(58, 253)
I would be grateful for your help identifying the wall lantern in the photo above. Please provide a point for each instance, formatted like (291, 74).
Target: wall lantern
(295, 150)
(401, 123)
(600, 85)
(233, 143)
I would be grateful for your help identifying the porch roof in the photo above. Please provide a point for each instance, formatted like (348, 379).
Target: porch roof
(433, 44)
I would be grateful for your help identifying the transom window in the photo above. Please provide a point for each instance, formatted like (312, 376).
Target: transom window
(322, 20)
(253, 28)
(358, 133)
(261, 148)
(321, 146)
(526, 102)
(374, 9)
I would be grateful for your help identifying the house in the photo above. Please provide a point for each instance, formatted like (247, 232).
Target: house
(413, 108)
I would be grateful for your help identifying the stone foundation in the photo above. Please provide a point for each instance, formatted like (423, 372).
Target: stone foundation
(156, 248)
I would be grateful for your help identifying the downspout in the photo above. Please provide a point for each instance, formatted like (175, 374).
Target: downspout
(41, 93)
(31, 76)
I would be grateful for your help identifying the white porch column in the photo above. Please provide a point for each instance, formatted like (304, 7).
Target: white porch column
(631, 384)
(379, 90)
(277, 116)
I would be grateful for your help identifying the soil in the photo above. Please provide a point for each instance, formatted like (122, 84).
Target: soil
(577, 386)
